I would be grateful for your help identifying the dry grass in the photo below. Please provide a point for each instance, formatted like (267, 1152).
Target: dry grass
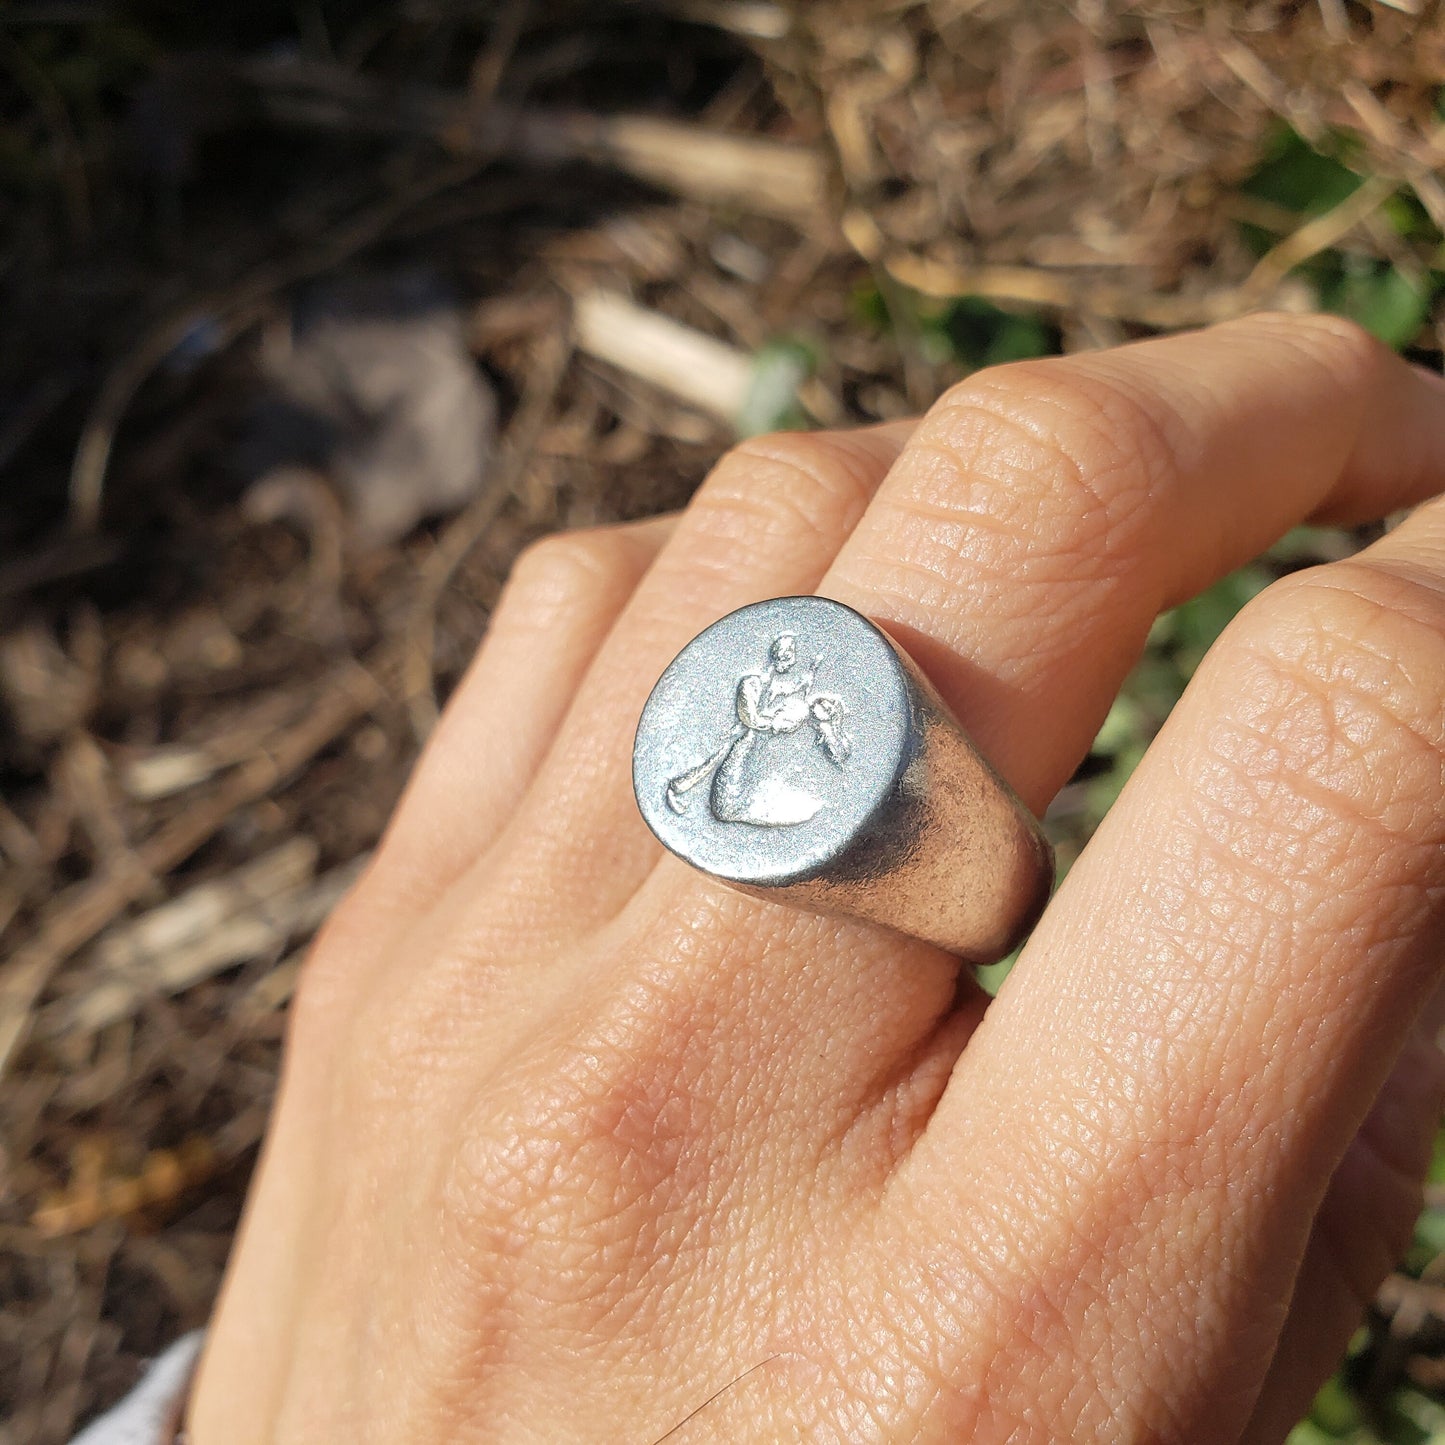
(209, 717)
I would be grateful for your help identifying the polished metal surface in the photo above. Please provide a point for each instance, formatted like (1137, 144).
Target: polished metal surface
(795, 751)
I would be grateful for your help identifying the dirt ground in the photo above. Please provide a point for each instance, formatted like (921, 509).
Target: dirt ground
(228, 613)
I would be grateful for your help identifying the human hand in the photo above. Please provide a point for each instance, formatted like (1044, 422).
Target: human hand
(574, 1144)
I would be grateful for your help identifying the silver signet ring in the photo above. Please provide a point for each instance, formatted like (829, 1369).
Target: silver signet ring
(795, 751)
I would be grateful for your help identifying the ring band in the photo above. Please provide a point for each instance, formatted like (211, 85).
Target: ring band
(794, 751)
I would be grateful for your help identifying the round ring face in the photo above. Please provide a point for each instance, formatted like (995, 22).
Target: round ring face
(772, 739)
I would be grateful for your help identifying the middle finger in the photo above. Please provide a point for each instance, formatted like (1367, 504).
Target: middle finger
(1044, 513)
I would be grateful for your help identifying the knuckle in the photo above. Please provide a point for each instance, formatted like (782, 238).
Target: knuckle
(561, 571)
(576, 1168)
(1335, 343)
(393, 1043)
(1078, 450)
(609, 1114)
(424, 1024)
(816, 482)
(1362, 633)
(1337, 675)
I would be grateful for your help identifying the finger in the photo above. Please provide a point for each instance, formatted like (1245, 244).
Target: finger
(1197, 1030)
(1361, 1232)
(563, 597)
(1044, 513)
(769, 520)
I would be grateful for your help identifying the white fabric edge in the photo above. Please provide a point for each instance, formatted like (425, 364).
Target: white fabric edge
(140, 1418)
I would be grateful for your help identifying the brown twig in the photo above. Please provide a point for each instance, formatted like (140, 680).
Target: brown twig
(82, 910)
(760, 175)
(698, 369)
(492, 60)
(251, 913)
(1418, 160)
(1314, 236)
(93, 1197)
(1059, 291)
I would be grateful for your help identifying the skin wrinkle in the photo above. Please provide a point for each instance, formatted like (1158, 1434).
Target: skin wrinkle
(994, 560)
(1304, 839)
(1053, 406)
(1331, 844)
(1035, 528)
(1336, 635)
(555, 574)
(1097, 1239)
(839, 477)
(780, 932)
(1044, 477)
(886, 1387)
(752, 521)
(621, 1261)
(1013, 1314)
(1260, 987)
(956, 532)
(834, 1061)
(900, 589)
(907, 1099)
(1334, 740)
(1295, 1045)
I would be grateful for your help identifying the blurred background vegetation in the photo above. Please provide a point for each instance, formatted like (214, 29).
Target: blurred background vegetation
(316, 312)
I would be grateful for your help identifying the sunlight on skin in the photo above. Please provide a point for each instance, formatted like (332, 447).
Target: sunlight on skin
(609, 1151)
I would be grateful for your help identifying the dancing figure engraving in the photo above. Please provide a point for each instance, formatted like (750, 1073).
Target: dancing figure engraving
(766, 773)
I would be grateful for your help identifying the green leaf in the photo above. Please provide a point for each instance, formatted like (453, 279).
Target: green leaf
(1427, 1415)
(1430, 1231)
(779, 368)
(1123, 728)
(1308, 1433)
(869, 308)
(991, 975)
(1309, 543)
(1408, 218)
(980, 334)
(1102, 792)
(1437, 1161)
(1382, 300)
(1018, 338)
(1301, 178)
(1335, 1409)
(1198, 622)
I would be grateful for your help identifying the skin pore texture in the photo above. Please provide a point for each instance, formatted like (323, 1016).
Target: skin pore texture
(574, 1144)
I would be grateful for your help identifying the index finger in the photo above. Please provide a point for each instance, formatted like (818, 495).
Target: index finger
(1134, 1146)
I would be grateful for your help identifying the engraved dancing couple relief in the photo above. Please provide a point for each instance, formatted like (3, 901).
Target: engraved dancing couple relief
(767, 771)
